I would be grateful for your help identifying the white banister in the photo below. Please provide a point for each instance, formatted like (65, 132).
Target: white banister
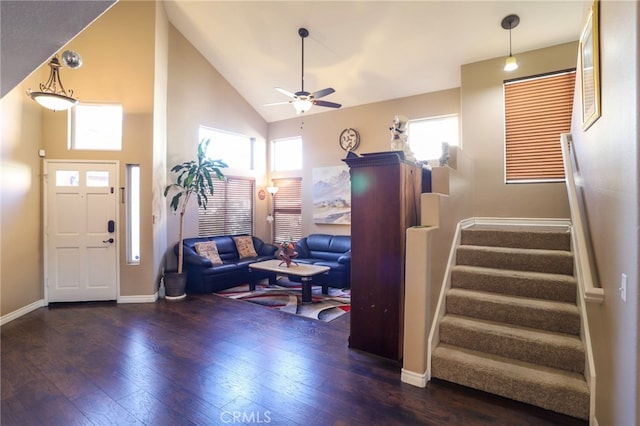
(585, 273)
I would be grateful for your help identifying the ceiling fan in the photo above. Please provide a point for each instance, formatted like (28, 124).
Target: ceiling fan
(302, 101)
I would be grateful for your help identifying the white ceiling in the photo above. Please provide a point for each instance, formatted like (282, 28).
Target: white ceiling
(368, 51)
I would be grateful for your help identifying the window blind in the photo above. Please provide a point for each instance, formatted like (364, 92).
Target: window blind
(537, 111)
(287, 210)
(230, 210)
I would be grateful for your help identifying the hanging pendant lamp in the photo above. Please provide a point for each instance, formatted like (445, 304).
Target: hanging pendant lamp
(52, 94)
(508, 23)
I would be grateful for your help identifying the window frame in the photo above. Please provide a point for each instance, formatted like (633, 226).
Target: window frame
(276, 159)
(239, 156)
(287, 207)
(103, 129)
(532, 152)
(412, 145)
(224, 214)
(133, 227)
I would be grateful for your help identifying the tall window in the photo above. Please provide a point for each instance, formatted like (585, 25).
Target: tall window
(286, 154)
(94, 126)
(234, 149)
(426, 135)
(537, 110)
(133, 213)
(287, 210)
(231, 209)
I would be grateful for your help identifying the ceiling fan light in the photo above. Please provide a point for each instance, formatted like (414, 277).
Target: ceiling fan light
(510, 64)
(302, 105)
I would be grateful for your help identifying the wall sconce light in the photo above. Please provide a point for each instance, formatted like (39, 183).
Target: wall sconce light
(509, 22)
(52, 94)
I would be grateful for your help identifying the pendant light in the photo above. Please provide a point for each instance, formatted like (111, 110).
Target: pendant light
(508, 23)
(52, 94)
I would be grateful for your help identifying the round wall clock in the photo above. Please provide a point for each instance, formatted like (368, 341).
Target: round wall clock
(349, 139)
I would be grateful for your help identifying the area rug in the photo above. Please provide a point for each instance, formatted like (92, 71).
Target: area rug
(286, 296)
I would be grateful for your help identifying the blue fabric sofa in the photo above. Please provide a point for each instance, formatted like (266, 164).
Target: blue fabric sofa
(333, 251)
(203, 277)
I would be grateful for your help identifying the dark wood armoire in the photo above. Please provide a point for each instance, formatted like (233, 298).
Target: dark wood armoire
(385, 197)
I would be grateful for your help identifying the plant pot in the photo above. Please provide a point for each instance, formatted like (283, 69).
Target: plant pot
(175, 284)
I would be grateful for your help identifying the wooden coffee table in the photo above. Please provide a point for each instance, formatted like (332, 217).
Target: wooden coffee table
(306, 273)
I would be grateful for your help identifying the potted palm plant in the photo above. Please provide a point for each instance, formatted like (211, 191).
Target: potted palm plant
(194, 177)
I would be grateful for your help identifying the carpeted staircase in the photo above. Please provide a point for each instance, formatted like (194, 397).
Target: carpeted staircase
(512, 326)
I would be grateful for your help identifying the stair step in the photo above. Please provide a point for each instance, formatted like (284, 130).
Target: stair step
(537, 285)
(556, 350)
(541, 314)
(551, 389)
(529, 239)
(534, 260)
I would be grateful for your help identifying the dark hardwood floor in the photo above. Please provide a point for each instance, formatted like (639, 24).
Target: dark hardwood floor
(208, 360)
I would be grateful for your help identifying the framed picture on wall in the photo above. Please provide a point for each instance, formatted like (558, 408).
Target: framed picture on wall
(332, 195)
(589, 60)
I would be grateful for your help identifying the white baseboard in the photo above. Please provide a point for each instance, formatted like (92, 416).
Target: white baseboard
(515, 221)
(139, 299)
(41, 304)
(22, 311)
(413, 378)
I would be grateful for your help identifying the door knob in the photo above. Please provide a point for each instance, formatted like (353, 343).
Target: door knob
(110, 240)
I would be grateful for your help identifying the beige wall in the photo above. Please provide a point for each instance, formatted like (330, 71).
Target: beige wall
(607, 155)
(320, 138)
(159, 172)
(117, 70)
(20, 201)
(198, 95)
(483, 136)
(108, 56)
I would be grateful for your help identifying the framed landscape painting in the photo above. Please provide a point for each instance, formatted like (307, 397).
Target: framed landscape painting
(332, 195)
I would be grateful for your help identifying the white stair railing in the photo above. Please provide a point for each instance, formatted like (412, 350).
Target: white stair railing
(585, 272)
(584, 266)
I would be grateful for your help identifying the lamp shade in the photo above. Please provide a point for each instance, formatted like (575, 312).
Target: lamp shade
(53, 101)
(510, 64)
(302, 105)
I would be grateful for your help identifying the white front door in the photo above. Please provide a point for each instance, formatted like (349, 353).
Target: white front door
(80, 231)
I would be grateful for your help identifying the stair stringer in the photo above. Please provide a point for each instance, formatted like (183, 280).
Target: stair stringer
(585, 335)
(434, 333)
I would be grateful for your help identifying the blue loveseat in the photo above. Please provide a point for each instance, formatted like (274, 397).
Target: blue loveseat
(333, 251)
(203, 277)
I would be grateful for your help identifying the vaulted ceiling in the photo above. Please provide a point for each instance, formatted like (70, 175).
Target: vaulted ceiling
(368, 51)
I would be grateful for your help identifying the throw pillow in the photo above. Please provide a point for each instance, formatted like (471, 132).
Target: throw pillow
(245, 246)
(209, 250)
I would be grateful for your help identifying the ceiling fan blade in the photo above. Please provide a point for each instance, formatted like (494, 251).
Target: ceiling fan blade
(285, 92)
(322, 93)
(277, 103)
(326, 104)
